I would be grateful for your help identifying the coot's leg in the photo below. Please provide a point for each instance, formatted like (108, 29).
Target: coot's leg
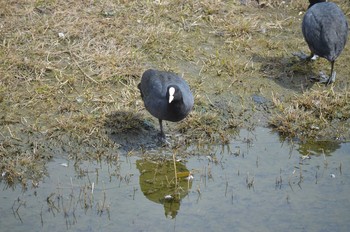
(331, 78)
(323, 78)
(162, 138)
(161, 134)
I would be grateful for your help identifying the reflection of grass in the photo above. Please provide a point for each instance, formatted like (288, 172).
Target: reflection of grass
(66, 66)
(70, 199)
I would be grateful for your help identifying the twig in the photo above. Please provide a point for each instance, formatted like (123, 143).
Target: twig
(77, 64)
(174, 161)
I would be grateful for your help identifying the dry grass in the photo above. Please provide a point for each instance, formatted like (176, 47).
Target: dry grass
(68, 67)
(315, 114)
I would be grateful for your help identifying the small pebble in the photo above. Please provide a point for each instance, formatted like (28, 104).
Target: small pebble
(190, 177)
(259, 99)
(79, 99)
(168, 197)
(61, 35)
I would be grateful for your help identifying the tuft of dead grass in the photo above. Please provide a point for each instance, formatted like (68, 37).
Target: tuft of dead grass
(314, 114)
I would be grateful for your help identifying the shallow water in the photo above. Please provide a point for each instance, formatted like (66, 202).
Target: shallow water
(256, 183)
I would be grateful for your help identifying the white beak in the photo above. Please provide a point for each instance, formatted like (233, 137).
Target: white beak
(171, 94)
(171, 98)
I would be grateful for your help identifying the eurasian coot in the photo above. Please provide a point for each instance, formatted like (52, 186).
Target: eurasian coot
(325, 30)
(166, 96)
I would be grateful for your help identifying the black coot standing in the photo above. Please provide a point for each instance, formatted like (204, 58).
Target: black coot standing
(325, 30)
(166, 96)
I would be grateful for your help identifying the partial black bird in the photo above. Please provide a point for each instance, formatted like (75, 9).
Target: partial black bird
(166, 96)
(325, 30)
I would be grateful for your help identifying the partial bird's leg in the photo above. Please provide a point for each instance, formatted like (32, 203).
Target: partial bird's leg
(323, 78)
(312, 57)
(161, 134)
(331, 78)
(162, 137)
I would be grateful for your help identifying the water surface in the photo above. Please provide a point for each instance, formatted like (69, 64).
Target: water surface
(256, 183)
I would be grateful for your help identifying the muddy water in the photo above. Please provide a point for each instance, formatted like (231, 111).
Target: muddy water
(256, 183)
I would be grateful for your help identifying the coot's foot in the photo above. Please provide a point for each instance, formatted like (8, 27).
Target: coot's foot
(331, 79)
(324, 79)
(162, 139)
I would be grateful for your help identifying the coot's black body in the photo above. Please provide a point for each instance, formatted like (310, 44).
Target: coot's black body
(166, 96)
(325, 30)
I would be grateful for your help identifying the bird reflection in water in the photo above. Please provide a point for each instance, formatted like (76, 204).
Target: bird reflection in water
(158, 183)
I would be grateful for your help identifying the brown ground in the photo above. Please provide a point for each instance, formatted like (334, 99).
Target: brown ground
(69, 73)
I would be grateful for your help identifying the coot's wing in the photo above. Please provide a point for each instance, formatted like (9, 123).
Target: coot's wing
(150, 85)
(312, 30)
(325, 30)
